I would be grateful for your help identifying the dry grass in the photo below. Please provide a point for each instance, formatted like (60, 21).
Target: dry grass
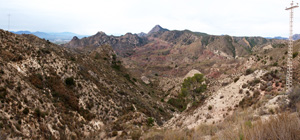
(285, 126)
(241, 125)
(168, 135)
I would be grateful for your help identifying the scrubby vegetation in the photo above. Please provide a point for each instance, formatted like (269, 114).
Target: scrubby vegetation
(249, 71)
(294, 97)
(191, 92)
(70, 81)
(295, 54)
(240, 126)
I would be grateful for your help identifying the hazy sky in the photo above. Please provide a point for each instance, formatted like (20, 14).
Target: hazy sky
(232, 17)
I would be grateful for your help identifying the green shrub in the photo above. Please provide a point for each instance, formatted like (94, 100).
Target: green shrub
(244, 86)
(3, 93)
(271, 111)
(114, 133)
(236, 79)
(116, 67)
(249, 71)
(150, 121)
(200, 89)
(70, 81)
(134, 79)
(97, 55)
(37, 112)
(73, 58)
(26, 111)
(127, 76)
(184, 92)
(192, 87)
(295, 54)
(275, 64)
(209, 107)
(179, 103)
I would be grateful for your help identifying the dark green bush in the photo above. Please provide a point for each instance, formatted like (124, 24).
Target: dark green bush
(179, 103)
(236, 79)
(116, 67)
(97, 55)
(70, 81)
(26, 111)
(191, 89)
(249, 71)
(37, 112)
(3, 93)
(73, 58)
(150, 121)
(127, 76)
(295, 54)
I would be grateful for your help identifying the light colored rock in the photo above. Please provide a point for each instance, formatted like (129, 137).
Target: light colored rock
(267, 47)
(191, 73)
(223, 101)
(145, 79)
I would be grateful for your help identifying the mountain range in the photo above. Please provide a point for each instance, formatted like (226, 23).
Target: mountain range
(161, 85)
(295, 37)
(58, 38)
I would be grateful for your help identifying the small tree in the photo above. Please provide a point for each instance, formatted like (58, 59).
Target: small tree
(26, 111)
(150, 121)
(249, 71)
(70, 81)
(191, 89)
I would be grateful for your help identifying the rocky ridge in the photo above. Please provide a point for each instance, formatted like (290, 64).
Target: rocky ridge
(51, 92)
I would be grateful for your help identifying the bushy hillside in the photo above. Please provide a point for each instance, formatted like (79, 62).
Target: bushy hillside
(161, 85)
(252, 104)
(48, 92)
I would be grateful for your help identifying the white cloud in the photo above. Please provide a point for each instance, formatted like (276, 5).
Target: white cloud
(233, 17)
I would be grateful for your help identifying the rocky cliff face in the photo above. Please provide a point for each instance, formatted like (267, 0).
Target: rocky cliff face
(123, 45)
(163, 51)
(157, 29)
(47, 92)
(168, 55)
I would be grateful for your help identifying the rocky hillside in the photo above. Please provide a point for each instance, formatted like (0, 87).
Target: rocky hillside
(167, 56)
(49, 92)
(161, 85)
(123, 45)
(165, 49)
(250, 103)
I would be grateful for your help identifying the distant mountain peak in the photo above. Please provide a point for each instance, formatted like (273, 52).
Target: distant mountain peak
(75, 38)
(157, 28)
(100, 33)
(142, 34)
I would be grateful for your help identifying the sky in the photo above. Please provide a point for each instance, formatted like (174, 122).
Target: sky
(267, 18)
